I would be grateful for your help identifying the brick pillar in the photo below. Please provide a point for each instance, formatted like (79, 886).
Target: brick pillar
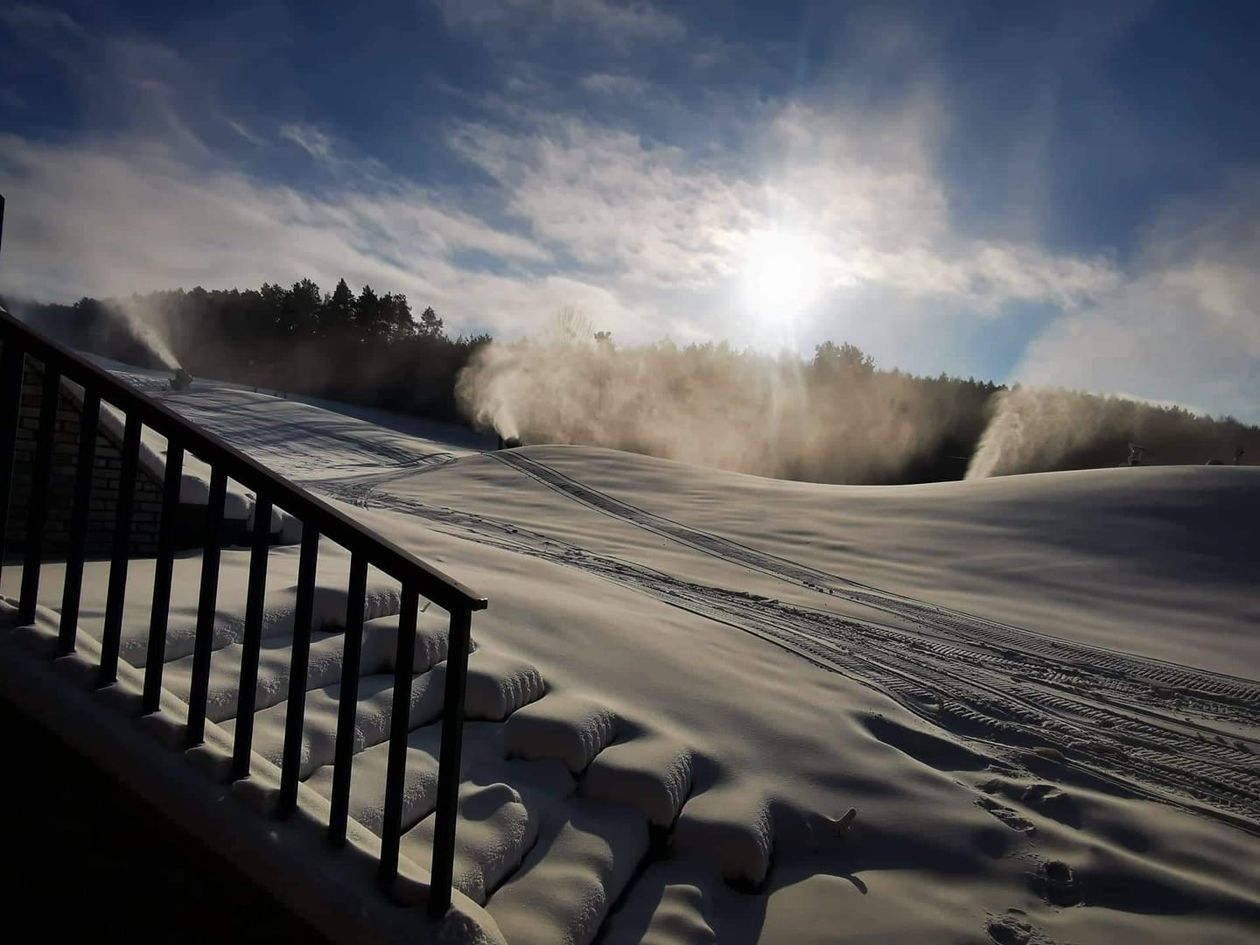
(106, 472)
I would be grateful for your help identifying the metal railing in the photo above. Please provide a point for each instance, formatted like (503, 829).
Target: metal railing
(318, 518)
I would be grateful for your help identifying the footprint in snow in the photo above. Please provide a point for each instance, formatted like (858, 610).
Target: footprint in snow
(1013, 928)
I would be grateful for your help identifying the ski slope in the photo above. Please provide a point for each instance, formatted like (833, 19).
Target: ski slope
(1040, 694)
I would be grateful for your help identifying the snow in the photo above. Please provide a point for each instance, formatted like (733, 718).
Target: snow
(1033, 690)
(496, 829)
(572, 729)
(499, 684)
(651, 773)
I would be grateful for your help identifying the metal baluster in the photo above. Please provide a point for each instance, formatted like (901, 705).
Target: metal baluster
(252, 639)
(111, 636)
(343, 750)
(37, 505)
(203, 644)
(400, 711)
(159, 614)
(71, 592)
(290, 766)
(448, 764)
(11, 365)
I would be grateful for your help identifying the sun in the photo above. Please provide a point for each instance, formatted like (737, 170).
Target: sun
(782, 273)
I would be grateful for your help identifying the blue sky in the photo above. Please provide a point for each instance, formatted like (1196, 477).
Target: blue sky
(1059, 193)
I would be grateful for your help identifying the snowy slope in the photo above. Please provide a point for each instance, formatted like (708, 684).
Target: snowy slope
(696, 674)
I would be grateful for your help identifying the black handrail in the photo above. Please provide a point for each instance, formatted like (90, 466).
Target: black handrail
(318, 518)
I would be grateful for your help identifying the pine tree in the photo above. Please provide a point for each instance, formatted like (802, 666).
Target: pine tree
(430, 324)
(337, 314)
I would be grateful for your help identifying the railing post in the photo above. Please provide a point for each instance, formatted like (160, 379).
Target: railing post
(111, 635)
(251, 643)
(89, 418)
(159, 614)
(400, 712)
(348, 701)
(12, 363)
(37, 506)
(299, 654)
(449, 763)
(207, 601)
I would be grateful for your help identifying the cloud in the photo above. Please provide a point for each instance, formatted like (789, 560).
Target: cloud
(613, 22)
(605, 83)
(123, 215)
(310, 139)
(37, 23)
(637, 212)
(242, 130)
(1184, 326)
(659, 216)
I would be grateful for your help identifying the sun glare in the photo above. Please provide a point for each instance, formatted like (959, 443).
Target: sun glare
(782, 274)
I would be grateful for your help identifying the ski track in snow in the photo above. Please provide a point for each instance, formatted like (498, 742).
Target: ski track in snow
(1157, 729)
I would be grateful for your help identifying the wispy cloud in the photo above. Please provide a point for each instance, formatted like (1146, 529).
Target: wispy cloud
(606, 83)
(657, 215)
(121, 216)
(310, 139)
(611, 21)
(1184, 325)
(244, 131)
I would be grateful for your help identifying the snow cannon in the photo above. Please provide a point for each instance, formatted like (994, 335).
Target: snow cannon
(181, 379)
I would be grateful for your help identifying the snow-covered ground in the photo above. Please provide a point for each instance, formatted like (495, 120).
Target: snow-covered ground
(1040, 694)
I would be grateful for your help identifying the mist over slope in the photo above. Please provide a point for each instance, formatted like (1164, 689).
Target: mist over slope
(835, 418)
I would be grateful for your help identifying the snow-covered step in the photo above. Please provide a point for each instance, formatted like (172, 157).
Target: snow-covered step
(569, 727)
(324, 669)
(496, 828)
(661, 912)
(329, 605)
(372, 719)
(733, 826)
(651, 772)
(367, 785)
(380, 640)
(499, 684)
(586, 854)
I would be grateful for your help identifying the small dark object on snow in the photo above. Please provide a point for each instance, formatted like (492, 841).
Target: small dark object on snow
(846, 821)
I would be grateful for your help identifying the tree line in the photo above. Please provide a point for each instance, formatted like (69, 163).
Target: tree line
(364, 348)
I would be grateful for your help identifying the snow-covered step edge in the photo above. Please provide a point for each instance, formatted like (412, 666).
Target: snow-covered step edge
(498, 685)
(335, 893)
(496, 829)
(650, 772)
(586, 854)
(329, 605)
(380, 641)
(732, 825)
(669, 904)
(570, 727)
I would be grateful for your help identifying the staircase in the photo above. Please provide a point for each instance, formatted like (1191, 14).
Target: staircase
(305, 709)
(562, 804)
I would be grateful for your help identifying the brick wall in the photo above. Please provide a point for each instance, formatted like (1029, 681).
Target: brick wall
(106, 473)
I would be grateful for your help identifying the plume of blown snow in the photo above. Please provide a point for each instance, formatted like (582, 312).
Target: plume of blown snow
(146, 323)
(835, 421)
(1039, 429)
(1034, 429)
